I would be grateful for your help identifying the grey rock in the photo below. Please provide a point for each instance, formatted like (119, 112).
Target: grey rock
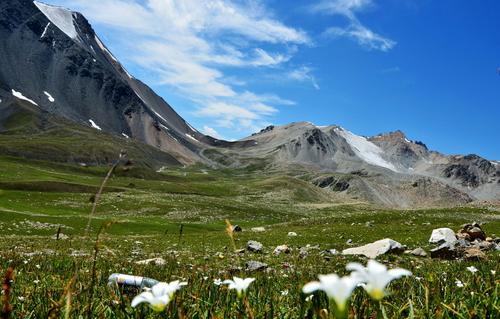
(237, 229)
(442, 235)
(282, 249)
(418, 252)
(376, 249)
(463, 243)
(258, 229)
(483, 245)
(61, 237)
(153, 261)
(254, 246)
(445, 251)
(331, 252)
(253, 265)
(474, 253)
(303, 253)
(292, 234)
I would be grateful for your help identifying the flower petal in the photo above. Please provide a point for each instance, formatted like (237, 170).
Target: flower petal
(160, 289)
(311, 287)
(398, 273)
(143, 297)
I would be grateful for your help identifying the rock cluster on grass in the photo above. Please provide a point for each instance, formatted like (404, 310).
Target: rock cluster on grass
(469, 243)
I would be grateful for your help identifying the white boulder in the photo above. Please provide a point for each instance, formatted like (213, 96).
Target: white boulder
(375, 249)
(443, 235)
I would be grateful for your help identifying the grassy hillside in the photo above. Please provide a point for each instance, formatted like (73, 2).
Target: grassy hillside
(28, 132)
(145, 212)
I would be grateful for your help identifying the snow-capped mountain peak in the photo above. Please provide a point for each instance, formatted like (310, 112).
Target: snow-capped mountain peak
(61, 18)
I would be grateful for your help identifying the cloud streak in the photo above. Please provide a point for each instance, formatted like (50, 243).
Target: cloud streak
(355, 30)
(189, 45)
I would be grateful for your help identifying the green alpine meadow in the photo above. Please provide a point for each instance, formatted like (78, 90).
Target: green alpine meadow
(249, 159)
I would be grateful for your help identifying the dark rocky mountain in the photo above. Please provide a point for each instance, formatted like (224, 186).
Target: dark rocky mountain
(53, 57)
(63, 94)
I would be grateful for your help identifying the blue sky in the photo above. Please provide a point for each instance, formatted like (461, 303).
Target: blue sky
(231, 67)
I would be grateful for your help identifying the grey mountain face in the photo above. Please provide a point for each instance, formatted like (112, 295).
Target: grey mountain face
(53, 57)
(52, 61)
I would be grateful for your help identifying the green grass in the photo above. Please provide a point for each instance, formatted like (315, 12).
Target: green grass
(147, 210)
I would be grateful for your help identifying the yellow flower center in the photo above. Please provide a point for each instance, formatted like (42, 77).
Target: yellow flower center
(377, 294)
(159, 307)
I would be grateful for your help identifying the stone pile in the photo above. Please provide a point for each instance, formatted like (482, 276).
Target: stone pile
(470, 243)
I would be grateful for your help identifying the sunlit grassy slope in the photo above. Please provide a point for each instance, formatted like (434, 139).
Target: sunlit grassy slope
(147, 210)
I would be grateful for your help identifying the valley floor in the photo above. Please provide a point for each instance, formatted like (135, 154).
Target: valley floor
(179, 216)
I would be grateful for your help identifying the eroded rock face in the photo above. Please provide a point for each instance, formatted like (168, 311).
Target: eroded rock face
(443, 235)
(376, 249)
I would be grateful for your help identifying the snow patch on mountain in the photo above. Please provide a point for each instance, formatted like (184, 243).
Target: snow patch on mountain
(192, 128)
(365, 149)
(45, 30)
(51, 99)
(61, 18)
(101, 45)
(20, 96)
(191, 137)
(97, 127)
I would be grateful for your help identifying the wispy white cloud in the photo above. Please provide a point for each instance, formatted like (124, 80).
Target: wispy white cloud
(355, 29)
(212, 132)
(303, 74)
(189, 45)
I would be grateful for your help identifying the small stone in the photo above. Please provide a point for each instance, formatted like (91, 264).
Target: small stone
(282, 249)
(258, 229)
(463, 236)
(349, 241)
(152, 261)
(473, 253)
(376, 249)
(237, 229)
(476, 233)
(240, 251)
(442, 235)
(489, 239)
(303, 253)
(254, 246)
(61, 237)
(418, 252)
(292, 234)
(253, 265)
(332, 252)
(483, 245)
(463, 243)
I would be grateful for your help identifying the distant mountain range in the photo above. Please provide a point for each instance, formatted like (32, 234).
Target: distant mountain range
(58, 80)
